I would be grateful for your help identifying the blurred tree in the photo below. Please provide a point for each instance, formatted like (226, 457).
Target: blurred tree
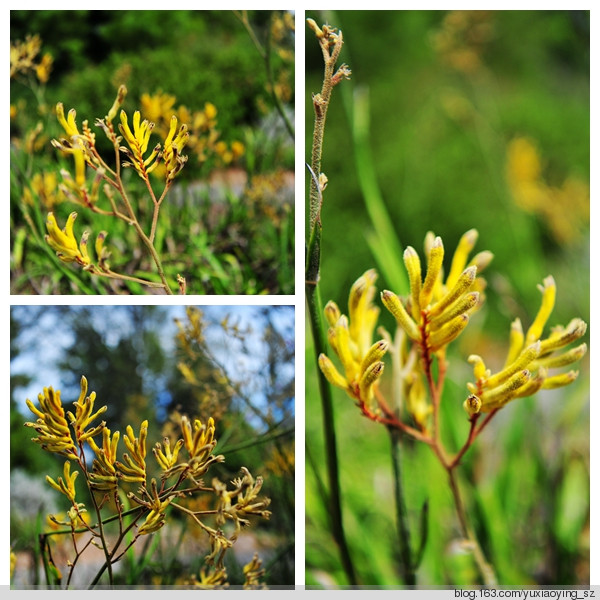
(118, 349)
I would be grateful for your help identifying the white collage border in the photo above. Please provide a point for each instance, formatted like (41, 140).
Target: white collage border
(297, 299)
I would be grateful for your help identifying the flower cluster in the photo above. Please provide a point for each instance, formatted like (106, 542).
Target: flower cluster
(65, 433)
(241, 501)
(24, 59)
(198, 442)
(138, 140)
(351, 338)
(51, 426)
(529, 358)
(203, 136)
(433, 315)
(437, 310)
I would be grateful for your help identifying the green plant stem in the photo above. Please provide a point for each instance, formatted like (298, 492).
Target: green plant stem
(145, 239)
(78, 553)
(485, 568)
(276, 100)
(314, 305)
(435, 391)
(108, 563)
(320, 105)
(335, 504)
(157, 204)
(408, 567)
(112, 275)
(83, 465)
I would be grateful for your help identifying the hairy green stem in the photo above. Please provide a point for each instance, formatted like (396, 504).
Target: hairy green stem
(315, 310)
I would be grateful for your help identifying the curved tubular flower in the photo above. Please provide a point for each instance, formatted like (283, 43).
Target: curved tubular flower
(167, 459)
(51, 426)
(65, 486)
(173, 146)
(63, 241)
(138, 140)
(529, 357)
(352, 340)
(156, 517)
(199, 444)
(245, 492)
(104, 474)
(78, 144)
(436, 311)
(84, 414)
(135, 468)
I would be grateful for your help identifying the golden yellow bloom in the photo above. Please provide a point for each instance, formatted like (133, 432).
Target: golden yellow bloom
(76, 516)
(156, 517)
(135, 468)
(210, 111)
(199, 443)
(77, 144)
(167, 458)
(528, 359)
(63, 241)
(45, 186)
(139, 138)
(42, 70)
(157, 105)
(417, 403)
(104, 474)
(84, 414)
(437, 311)
(23, 55)
(351, 338)
(240, 502)
(214, 578)
(173, 146)
(253, 571)
(51, 426)
(65, 486)
(237, 149)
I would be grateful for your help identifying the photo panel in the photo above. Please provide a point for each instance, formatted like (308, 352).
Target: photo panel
(158, 446)
(448, 298)
(152, 152)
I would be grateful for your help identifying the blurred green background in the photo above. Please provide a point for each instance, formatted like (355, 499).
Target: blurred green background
(476, 119)
(228, 223)
(238, 368)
